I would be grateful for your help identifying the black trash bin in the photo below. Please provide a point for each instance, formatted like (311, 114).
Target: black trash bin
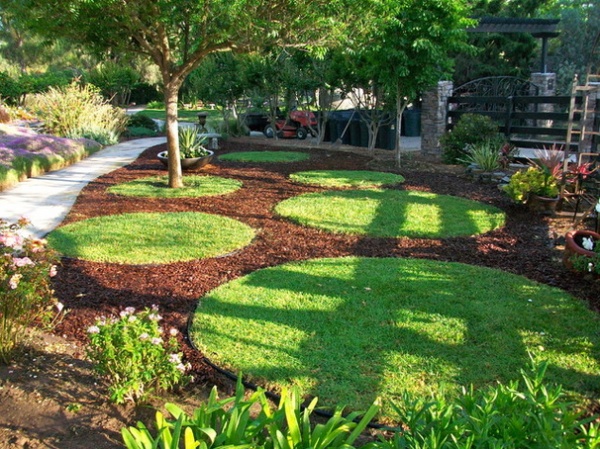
(355, 131)
(364, 134)
(412, 122)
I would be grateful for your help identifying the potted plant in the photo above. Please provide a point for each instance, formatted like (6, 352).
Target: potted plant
(192, 152)
(537, 187)
(582, 251)
(486, 158)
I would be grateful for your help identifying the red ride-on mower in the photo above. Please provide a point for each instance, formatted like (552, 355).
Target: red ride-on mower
(298, 124)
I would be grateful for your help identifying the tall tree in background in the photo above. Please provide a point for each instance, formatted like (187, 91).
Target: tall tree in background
(570, 53)
(178, 34)
(410, 49)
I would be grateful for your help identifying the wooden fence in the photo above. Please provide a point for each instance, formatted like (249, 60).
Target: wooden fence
(527, 121)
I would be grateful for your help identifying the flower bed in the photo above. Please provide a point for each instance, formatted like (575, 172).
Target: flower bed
(24, 153)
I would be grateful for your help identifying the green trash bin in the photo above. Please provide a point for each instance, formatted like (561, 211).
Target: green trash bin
(412, 122)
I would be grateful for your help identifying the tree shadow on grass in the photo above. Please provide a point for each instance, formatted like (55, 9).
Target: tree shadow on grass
(381, 326)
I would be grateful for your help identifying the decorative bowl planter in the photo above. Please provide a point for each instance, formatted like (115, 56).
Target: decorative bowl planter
(191, 163)
(542, 204)
(574, 245)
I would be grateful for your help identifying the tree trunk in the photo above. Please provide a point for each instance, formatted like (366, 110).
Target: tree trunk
(400, 107)
(172, 130)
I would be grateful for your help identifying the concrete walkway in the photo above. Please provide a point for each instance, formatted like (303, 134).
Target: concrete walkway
(45, 200)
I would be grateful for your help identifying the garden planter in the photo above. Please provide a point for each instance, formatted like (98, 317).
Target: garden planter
(542, 204)
(574, 245)
(191, 163)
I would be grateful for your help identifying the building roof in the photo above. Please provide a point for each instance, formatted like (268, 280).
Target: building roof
(535, 27)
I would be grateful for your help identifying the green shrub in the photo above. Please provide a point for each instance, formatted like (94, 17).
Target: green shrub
(130, 352)
(233, 128)
(78, 111)
(190, 143)
(141, 121)
(10, 89)
(38, 83)
(470, 129)
(144, 93)
(535, 180)
(26, 294)
(139, 131)
(250, 423)
(115, 81)
(486, 154)
(156, 105)
(528, 415)
(514, 416)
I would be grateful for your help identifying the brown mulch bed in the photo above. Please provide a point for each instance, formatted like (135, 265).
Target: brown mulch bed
(525, 246)
(88, 289)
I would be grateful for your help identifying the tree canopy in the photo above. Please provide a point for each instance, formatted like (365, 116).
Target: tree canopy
(178, 34)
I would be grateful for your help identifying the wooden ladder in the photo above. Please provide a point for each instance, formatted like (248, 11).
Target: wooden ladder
(587, 130)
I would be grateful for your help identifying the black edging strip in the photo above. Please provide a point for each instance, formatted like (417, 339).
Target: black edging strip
(271, 395)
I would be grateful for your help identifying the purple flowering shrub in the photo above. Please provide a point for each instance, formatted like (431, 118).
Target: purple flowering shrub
(26, 295)
(23, 153)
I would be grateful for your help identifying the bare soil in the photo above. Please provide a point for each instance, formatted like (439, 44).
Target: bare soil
(49, 397)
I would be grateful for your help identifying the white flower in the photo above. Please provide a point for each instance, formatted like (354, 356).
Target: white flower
(588, 243)
(156, 341)
(144, 336)
(590, 267)
(155, 307)
(59, 306)
(93, 330)
(14, 280)
(181, 367)
(175, 359)
(154, 317)
(132, 319)
(173, 332)
(52, 271)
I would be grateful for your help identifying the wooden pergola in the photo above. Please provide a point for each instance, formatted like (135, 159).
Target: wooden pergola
(538, 28)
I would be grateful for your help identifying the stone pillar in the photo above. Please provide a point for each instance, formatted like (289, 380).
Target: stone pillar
(547, 88)
(434, 117)
(546, 83)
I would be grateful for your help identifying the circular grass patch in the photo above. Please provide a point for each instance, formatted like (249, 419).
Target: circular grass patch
(194, 186)
(349, 330)
(266, 156)
(151, 238)
(392, 213)
(346, 178)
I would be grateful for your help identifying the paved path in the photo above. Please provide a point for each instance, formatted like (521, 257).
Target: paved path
(45, 200)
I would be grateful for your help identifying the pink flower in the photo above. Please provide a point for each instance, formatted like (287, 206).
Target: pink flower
(93, 330)
(11, 240)
(22, 261)
(52, 271)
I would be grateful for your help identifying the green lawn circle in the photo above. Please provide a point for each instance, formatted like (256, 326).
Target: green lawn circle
(151, 238)
(350, 330)
(392, 213)
(194, 186)
(265, 156)
(347, 178)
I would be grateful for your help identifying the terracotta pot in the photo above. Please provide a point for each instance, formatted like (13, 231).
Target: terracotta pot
(542, 204)
(573, 245)
(191, 163)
